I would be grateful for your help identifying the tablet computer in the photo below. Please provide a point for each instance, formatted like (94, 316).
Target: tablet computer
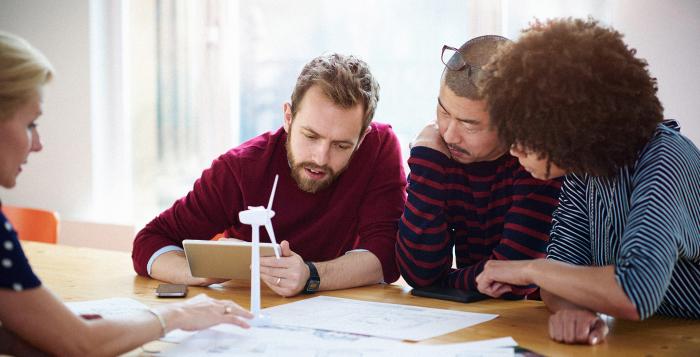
(222, 259)
(438, 292)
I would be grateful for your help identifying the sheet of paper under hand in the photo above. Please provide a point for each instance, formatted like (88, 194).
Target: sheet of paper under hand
(402, 322)
(119, 308)
(112, 307)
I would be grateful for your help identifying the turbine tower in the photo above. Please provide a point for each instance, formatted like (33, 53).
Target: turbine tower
(256, 217)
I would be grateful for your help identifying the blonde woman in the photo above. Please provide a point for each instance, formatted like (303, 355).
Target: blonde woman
(29, 313)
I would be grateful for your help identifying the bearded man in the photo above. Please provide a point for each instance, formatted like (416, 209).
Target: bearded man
(340, 194)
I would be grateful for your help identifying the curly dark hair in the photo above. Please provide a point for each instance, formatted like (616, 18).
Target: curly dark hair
(573, 92)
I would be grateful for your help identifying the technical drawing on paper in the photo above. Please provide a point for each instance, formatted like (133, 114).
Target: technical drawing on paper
(402, 322)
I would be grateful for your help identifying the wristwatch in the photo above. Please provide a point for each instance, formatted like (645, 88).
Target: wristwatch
(314, 281)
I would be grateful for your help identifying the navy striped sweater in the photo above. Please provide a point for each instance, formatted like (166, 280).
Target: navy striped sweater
(645, 222)
(484, 210)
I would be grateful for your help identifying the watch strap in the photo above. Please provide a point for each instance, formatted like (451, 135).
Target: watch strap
(314, 281)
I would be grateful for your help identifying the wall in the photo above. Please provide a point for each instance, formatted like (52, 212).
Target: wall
(59, 177)
(665, 33)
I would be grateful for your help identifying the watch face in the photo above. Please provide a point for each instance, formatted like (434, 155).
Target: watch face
(313, 285)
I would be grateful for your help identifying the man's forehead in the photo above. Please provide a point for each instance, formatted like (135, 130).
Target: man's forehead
(322, 116)
(463, 109)
(327, 131)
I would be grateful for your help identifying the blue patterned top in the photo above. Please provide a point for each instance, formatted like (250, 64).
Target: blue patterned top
(645, 222)
(15, 271)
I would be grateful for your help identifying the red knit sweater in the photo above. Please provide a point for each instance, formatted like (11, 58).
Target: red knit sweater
(360, 210)
(484, 210)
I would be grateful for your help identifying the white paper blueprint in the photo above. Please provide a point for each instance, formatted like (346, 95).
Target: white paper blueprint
(112, 307)
(289, 341)
(402, 322)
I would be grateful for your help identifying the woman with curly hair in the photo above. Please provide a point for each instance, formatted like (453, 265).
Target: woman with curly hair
(574, 101)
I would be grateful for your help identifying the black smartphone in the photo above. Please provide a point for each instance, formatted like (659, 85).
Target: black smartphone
(171, 290)
(437, 292)
(524, 352)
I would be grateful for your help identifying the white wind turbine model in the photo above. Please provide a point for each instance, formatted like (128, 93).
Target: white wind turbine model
(259, 216)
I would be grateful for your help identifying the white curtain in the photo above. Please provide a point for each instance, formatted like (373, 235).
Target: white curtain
(224, 68)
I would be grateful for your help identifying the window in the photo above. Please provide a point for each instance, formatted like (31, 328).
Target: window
(204, 76)
(223, 70)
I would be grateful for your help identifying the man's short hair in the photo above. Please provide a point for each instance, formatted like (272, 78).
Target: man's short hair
(573, 92)
(476, 53)
(344, 79)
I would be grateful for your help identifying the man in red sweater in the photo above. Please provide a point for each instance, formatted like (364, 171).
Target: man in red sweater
(340, 194)
(466, 193)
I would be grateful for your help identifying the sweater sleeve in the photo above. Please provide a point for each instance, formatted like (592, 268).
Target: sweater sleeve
(659, 225)
(570, 241)
(526, 227)
(208, 209)
(382, 205)
(424, 248)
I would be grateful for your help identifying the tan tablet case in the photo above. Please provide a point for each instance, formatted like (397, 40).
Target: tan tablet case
(222, 259)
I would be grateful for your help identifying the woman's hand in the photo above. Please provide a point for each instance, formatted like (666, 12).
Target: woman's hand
(577, 326)
(201, 312)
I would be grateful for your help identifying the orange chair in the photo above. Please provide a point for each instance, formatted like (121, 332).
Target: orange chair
(33, 224)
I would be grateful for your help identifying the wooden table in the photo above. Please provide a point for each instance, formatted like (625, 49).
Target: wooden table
(83, 273)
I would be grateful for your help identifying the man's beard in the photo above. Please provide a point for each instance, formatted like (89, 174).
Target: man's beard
(306, 184)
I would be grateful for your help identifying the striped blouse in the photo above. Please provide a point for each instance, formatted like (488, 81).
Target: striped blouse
(484, 210)
(645, 222)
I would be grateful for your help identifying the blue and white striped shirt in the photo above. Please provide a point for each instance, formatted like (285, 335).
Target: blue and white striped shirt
(645, 222)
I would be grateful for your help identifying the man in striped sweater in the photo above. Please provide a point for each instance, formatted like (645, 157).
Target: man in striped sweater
(466, 192)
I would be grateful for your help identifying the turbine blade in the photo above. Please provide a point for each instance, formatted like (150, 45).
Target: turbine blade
(272, 194)
(271, 233)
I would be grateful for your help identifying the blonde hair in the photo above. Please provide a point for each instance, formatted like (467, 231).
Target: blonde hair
(23, 70)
